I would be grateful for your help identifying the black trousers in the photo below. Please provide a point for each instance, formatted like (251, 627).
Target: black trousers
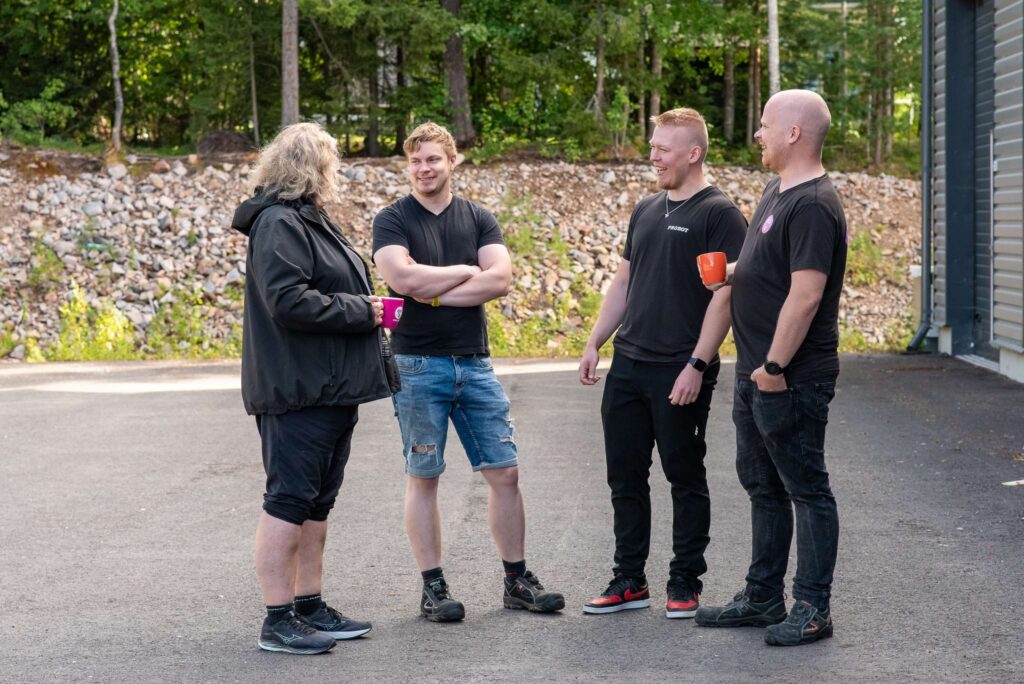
(636, 415)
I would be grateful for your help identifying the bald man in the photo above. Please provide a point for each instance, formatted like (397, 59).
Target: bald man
(785, 315)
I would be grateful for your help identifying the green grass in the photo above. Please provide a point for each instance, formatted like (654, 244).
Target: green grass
(866, 264)
(45, 268)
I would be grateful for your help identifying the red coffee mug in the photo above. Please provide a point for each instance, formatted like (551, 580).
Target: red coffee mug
(712, 267)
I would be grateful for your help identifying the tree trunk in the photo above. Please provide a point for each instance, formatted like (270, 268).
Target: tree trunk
(115, 133)
(400, 82)
(252, 81)
(289, 62)
(458, 85)
(656, 75)
(599, 88)
(773, 47)
(729, 113)
(641, 98)
(372, 143)
(753, 92)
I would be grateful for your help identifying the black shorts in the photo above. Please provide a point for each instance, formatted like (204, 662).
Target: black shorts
(304, 456)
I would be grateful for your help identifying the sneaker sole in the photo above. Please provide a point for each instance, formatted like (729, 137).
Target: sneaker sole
(353, 634)
(556, 604)
(618, 607)
(282, 648)
(675, 614)
(449, 616)
(740, 622)
(817, 636)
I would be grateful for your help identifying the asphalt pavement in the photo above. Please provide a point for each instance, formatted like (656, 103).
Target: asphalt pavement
(129, 495)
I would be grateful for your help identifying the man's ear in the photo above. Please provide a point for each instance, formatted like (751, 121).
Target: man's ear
(457, 159)
(794, 133)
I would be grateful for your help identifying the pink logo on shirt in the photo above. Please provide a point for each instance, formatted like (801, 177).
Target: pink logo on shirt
(768, 222)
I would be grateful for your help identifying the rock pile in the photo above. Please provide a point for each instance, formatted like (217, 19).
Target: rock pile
(141, 235)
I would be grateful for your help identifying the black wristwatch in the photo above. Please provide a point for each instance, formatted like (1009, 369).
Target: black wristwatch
(699, 364)
(772, 368)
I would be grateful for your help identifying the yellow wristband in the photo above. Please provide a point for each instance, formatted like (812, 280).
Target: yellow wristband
(436, 301)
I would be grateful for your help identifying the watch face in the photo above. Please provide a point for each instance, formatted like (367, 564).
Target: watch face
(772, 368)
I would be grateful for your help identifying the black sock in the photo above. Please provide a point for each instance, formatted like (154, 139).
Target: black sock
(275, 613)
(513, 570)
(307, 605)
(432, 574)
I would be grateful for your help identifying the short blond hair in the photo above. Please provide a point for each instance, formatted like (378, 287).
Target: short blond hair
(302, 161)
(430, 132)
(690, 119)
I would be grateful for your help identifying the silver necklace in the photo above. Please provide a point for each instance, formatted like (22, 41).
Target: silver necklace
(667, 212)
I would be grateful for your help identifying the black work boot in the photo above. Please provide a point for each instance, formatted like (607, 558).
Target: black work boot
(525, 592)
(437, 604)
(743, 612)
(805, 624)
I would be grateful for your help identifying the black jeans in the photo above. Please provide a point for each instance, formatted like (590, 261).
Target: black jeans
(636, 415)
(780, 459)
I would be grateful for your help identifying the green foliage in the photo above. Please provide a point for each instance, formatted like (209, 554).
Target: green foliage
(7, 340)
(28, 120)
(89, 333)
(866, 265)
(179, 330)
(369, 70)
(45, 268)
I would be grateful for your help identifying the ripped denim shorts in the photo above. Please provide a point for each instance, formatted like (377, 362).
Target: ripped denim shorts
(464, 389)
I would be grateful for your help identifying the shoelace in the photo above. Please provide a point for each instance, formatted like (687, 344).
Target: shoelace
(680, 592)
(440, 589)
(617, 585)
(799, 612)
(300, 625)
(532, 579)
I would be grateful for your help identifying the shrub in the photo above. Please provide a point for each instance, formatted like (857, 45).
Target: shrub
(28, 120)
(90, 333)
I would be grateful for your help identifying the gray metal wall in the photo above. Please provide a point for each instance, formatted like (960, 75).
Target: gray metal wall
(939, 166)
(984, 111)
(1008, 153)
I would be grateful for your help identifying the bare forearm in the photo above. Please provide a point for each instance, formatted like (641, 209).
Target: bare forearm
(481, 288)
(794, 322)
(423, 282)
(613, 309)
(717, 320)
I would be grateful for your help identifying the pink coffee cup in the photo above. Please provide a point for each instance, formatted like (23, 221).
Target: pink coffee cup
(392, 311)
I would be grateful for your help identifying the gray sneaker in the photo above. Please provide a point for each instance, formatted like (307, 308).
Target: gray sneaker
(292, 634)
(742, 612)
(329, 621)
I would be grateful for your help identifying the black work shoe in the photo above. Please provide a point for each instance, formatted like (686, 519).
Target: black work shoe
(681, 600)
(525, 592)
(804, 625)
(292, 634)
(329, 621)
(742, 612)
(623, 593)
(437, 605)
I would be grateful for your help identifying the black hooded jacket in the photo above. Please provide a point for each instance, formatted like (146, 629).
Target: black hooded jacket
(309, 335)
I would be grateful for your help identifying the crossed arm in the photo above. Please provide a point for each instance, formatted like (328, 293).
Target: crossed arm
(459, 285)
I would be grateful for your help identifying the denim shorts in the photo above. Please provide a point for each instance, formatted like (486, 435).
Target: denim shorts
(464, 389)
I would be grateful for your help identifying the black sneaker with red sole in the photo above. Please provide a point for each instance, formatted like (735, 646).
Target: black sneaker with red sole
(623, 593)
(682, 602)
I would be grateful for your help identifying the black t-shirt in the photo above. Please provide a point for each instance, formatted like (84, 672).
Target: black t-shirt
(447, 239)
(801, 228)
(666, 300)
